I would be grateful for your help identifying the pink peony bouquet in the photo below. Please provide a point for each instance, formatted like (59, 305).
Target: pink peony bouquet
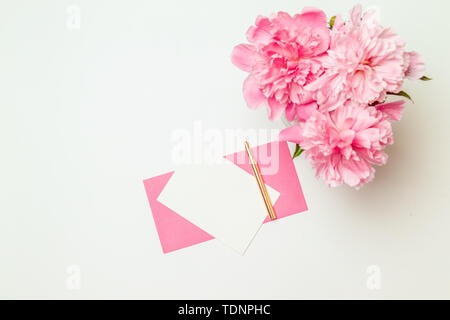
(330, 80)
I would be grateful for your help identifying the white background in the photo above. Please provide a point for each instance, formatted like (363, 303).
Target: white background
(86, 114)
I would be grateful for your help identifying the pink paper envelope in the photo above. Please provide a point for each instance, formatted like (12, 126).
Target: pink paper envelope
(278, 172)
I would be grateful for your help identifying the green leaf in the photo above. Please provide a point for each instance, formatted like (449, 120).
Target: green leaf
(424, 78)
(401, 94)
(333, 18)
(298, 152)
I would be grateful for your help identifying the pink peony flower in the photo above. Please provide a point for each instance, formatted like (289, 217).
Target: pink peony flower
(364, 63)
(332, 83)
(284, 55)
(344, 144)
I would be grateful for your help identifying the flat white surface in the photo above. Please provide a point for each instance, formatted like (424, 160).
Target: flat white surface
(222, 199)
(87, 114)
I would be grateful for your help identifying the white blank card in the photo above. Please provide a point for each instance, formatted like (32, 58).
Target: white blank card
(221, 199)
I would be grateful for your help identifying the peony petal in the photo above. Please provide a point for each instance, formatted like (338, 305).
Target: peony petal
(355, 172)
(290, 112)
(292, 134)
(261, 32)
(356, 14)
(252, 94)
(305, 111)
(284, 20)
(366, 137)
(393, 110)
(416, 68)
(275, 108)
(243, 57)
(346, 137)
(311, 18)
(315, 21)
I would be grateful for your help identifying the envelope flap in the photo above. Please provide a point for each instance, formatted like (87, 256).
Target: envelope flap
(174, 231)
(278, 171)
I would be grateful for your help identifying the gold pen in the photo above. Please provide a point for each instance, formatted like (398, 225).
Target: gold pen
(260, 182)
